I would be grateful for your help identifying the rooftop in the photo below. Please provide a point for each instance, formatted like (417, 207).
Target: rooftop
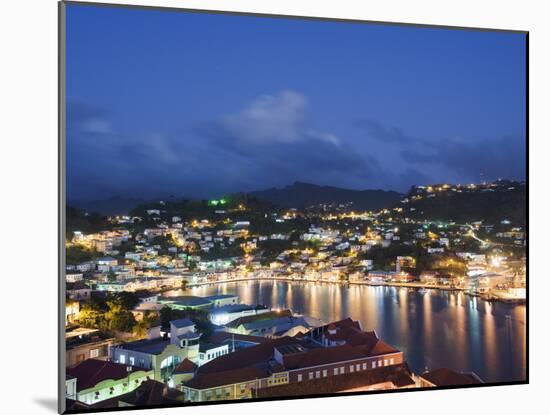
(220, 297)
(399, 375)
(186, 366)
(92, 371)
(448, 377)
(259, 317)
(152, 346)
(181, 323)
(186, 300)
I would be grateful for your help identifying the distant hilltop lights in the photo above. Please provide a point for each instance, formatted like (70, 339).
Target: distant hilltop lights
(216, 202)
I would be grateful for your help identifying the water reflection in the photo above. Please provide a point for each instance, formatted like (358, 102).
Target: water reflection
(434, 328)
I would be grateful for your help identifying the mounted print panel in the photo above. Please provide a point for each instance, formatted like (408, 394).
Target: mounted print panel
(262, 207)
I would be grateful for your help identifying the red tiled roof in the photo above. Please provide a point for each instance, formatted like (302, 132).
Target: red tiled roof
(248, 356)
(448, 377)
(228, 377)
(92, 371)
(186, 366)
(382, 348)
(324, 356)
(399, 375)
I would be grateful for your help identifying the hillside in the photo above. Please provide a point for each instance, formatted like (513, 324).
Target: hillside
(490, 203)
(301, 195)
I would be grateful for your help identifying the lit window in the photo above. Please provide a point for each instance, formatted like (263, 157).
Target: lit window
(379, 363)
(358, 367)
(364, 366)
(299, 377)
(122, 359)
(324, 373)
(385, 362)
(318, 374)
(391, 361)
(335, 370)
(373, 365)
(310, 376)
(342, 370)
(94, 353)
(132, 361)
(351, 368)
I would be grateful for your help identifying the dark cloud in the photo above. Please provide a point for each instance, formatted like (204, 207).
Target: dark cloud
(489, 159)
(388, 134)
(433, 160)
(268, 143)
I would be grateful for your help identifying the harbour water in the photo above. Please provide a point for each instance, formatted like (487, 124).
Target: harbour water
(433, 328)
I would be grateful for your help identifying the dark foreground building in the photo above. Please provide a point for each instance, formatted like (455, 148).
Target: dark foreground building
(338, 357)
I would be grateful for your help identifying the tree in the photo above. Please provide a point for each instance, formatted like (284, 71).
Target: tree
(118, 317)
(150, 319)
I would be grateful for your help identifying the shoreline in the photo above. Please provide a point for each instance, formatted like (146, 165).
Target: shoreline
(416, 285)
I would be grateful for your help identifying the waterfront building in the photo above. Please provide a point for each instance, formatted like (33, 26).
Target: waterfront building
(186, 301)
(225, 314)
(222, 300)
(333, 351)
(379, 276)
(484, 283)
(271, 324)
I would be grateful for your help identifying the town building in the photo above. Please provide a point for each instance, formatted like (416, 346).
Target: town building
(335, 350)
(270, 324)
(82, 344)
(97, 380)
(78, 290)
(162, 354)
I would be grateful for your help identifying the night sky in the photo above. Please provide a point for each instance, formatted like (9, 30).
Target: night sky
(201, 105)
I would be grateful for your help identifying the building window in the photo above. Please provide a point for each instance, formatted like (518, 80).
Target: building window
(122, 359)
(132, 361)
(358, 367)
(391, 361)
(373, 365)
(379, 363)
(350, 368)
(364, 366)
(342, 370)
(310, 375)
(318, 374)
(94, 353)
(385, 362)
(299, 377)
(325, 373)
